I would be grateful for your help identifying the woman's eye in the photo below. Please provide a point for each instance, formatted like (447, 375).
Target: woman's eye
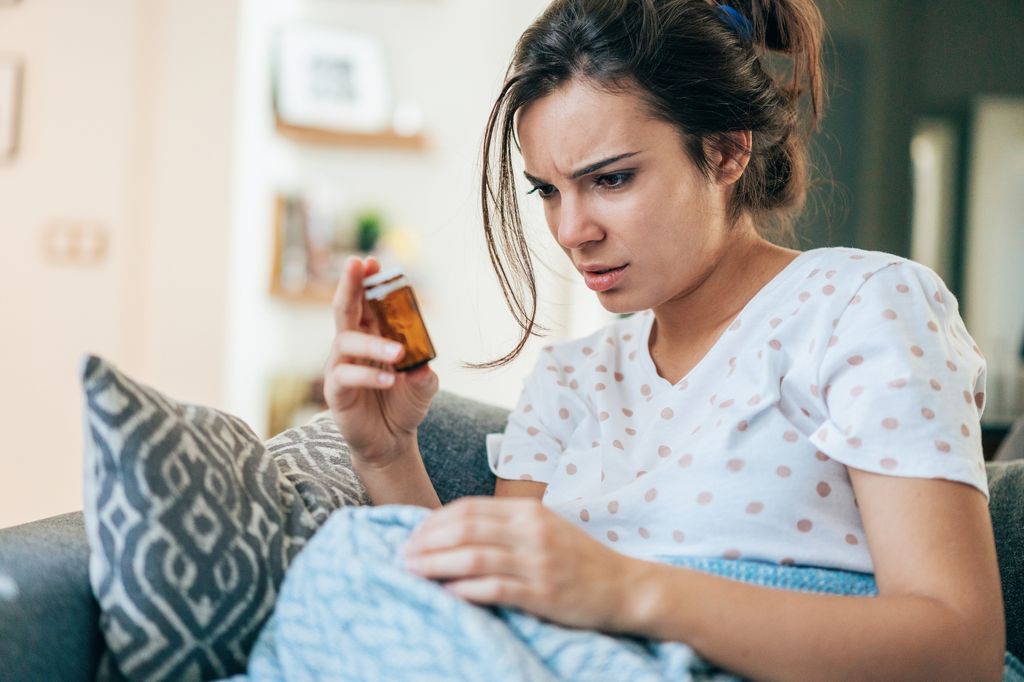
(543, 191)
(614, 180)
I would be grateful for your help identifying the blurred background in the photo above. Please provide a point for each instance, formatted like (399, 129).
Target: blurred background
(179, 179)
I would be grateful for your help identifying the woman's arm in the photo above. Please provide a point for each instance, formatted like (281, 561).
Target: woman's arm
(402, 480)
(939, 613)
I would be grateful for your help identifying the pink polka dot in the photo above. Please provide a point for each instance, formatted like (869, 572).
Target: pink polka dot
(890, 423)
(650, 495)
(526, 477)
(821, 456)
(627, 337)
(967, 397)
(532, 430)
(814, 272)
(587, 350)
(966, 432)
(916, 350)
(832, 341)
(804, 295)
(855, 300)
(743, 425)
(754, 399)
(775, 344)
(889, 463)
(783, 471)
(664, 451)
(599, 387)
(824, 489)
(942, 446)
(704, 498)
(571, 469)
(569, 369)
(775, 322)
(932, 326)
(584, 515)
(927, 414)
(790, 436)
(731, 554)
(855, 360)
(727, 403)
(936, 386)
(787, 561)
(618, 444)
(552, 368)
(549, 348)
(600, 368)
(678, 536)
(574, 384)
(713, 398)
(828, 290)
(686, 460)
(755, 507)
(667, 413)
(804, 525)
(851, 539)
(603, 416)
(684, 384)
(938, 297)
(644, 533)
(640, 473)
(613, 507)
(528, 408)
(735, 325)
(854, 442)
(619, 376)
(979, 400)
(613, 536)
(540, 457)
(563, 413)
(507, 459)
(950, 365)
(735, 464)
(867, 275)
(902, 288)
(898, 383)
(830, 274)
(594, 444)
(632, 355)
(889, 314)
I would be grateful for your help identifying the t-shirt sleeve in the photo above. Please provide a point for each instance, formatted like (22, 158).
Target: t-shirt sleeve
(904, 382)
(539, 427)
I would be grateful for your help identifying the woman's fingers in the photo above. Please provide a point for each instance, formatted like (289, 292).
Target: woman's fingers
(354, 345)
(348, 297)
(466, 562)
(479, 530)
(345, 377)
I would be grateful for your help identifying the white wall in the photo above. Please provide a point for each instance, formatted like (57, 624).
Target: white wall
(452, 70)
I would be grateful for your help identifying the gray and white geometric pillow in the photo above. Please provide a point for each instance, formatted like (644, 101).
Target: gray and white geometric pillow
(192, 521)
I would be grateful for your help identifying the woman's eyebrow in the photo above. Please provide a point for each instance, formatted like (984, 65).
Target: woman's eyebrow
(587, 170)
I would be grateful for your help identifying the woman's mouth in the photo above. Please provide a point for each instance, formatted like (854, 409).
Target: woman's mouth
(604, 279)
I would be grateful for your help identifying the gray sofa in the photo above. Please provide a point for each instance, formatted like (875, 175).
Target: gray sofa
(49, 629)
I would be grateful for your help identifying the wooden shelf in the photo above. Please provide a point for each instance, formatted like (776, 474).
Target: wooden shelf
(317, 136)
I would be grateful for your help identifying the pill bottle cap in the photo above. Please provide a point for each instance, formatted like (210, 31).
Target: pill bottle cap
(382, 276)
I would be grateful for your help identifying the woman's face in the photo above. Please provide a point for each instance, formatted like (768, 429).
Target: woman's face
(620, 192)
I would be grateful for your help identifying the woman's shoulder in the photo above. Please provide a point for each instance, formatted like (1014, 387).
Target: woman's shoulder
(601, 342)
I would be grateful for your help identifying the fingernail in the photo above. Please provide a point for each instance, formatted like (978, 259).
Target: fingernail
(385, 379)
(392, 349)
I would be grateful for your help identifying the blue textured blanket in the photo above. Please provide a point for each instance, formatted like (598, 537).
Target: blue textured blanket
(348, 610)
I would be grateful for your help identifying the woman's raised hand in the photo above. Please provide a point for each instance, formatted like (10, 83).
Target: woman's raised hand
(376, 408)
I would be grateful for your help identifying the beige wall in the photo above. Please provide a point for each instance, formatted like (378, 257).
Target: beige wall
(126, 129)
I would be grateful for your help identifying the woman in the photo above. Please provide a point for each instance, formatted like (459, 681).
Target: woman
(814, 409)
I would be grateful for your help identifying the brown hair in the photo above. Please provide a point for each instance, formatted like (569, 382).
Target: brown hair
(703, 68)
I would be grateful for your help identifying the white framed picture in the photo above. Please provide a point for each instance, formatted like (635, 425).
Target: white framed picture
(10, 94)
(331, 79)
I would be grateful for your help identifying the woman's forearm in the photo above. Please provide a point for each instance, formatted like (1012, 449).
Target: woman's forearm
(768, 633)
(403, 480)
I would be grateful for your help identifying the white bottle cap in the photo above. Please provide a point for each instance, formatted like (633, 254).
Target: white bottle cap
(382, 276)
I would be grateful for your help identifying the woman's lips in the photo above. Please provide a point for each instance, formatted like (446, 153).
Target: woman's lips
(605, 280)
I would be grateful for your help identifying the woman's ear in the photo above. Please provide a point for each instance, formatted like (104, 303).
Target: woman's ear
(728, 154)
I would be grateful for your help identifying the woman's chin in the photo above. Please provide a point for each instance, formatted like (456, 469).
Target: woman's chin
(619, 303)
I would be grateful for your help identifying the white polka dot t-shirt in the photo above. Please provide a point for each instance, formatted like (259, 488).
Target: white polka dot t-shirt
(846, 358)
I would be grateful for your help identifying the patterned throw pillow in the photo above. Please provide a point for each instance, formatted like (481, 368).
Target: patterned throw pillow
(192, 521)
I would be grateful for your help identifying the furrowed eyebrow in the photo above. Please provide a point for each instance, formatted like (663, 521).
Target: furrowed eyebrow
(586, 170)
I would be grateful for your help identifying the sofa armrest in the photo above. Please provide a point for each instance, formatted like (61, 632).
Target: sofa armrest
(48, 618)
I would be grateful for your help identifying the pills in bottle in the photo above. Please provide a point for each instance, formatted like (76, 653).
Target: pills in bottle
(393, 303)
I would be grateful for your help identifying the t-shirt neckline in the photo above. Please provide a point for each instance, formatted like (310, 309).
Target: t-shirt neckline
(648, 324)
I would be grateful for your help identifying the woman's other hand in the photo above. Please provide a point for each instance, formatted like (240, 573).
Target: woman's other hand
(517, 552)
(376, 408)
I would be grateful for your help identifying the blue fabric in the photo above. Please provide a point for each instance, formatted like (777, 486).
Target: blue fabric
(348, 610)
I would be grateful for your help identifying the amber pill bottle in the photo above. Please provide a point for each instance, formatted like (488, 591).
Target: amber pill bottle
(393, 303)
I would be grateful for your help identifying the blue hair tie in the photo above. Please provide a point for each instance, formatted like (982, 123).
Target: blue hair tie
(739, 24)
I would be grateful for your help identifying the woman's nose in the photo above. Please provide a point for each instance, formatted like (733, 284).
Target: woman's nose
(575, 224)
